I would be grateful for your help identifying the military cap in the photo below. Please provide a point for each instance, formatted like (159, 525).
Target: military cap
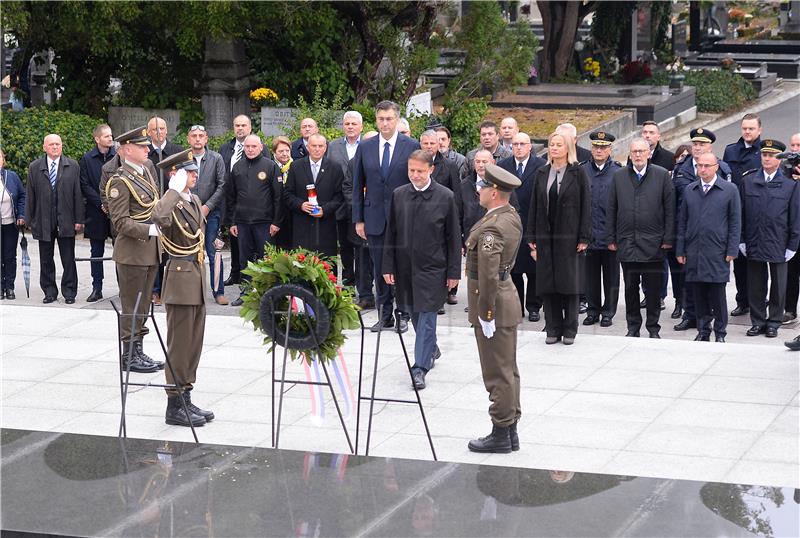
(182, 159)
(601, 138)
(703, 135)
(500, 178)
(136, 136)
(770, 145)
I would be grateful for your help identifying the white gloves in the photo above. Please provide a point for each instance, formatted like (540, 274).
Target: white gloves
(789, 254)
(743, 248)
(488, 328)
(178, 181)
(153, 231)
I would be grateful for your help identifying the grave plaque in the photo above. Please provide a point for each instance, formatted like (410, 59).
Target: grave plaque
(679, 38)
(125, 118)
(277, 121)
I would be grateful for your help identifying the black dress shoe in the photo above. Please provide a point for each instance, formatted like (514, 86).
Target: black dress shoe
(232, 280)
(662, 305)
(583, 307)
(590, 320)
(366, 304)
(48, 299)
(237, 302)
(702, 338)
(418, 376)
(440, 312)
(69, 300)
(755, 330)
(10, 295)
(606, 321)
(655, 335)
(95, 296)
(402, 325)
(740, 311)
(643, 304)
(771, 332)
(534, 316)
(719, 338)
(788, 317)
(793, 344)
(678, 312)
(452, 299)
(633, 334)
(685, 325)
(2, 294)
(497, 442)
(382, 325)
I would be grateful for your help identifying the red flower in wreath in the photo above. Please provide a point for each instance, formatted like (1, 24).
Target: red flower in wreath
(301, 257)
(332, 277)
(326, 266)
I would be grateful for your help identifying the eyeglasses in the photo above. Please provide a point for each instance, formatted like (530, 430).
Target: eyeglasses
(197, 128)
(698, 165)
(520, 144)
(639, 151)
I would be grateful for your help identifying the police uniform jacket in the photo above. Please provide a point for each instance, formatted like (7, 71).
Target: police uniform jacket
(524, 262)
(600, 182)
(742, 159)
(770, 216)
(641, 215)
(48, 211)
(491, 250)
(559, 266)
(97, 225)
(182, 223)
(132, 195)
(684, 175)
(250, 192)
(709, 227)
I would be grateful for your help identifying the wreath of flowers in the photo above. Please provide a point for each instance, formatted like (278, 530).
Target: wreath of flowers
(303, 267)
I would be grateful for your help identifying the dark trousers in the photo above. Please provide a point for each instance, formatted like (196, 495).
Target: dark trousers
(97, 248)
(347, 253)
(711, 303)
(47, 277)
(757, 273)
(648, 275)
(602, 265)
(792, 284)
(160, 273)
(561, 314)
(8, 255)
(689, 307)
(530, 301)
(740, 276)
(251, 242)
(385, 298)
(425, 343)
(234, 243)
(665, 274)
(364, 275)
(677, 273)
(212, 229)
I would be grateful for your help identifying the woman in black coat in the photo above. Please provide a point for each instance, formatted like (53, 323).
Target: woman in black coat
(559, 231)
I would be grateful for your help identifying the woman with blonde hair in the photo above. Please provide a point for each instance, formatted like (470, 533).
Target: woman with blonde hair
(559, 231)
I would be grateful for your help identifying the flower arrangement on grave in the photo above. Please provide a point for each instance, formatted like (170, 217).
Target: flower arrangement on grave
(591, 68)
(263, 97)
(304, 268)
(635, 72)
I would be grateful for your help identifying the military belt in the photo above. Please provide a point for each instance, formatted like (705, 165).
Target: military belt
(502, 275)
(189, 258)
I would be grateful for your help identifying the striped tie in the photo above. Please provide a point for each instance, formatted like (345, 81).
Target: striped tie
(52, 175)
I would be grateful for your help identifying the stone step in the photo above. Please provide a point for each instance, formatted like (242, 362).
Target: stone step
(783, 65)
(772, 46)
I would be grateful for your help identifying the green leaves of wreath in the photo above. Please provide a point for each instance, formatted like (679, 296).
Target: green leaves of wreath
(304, 267)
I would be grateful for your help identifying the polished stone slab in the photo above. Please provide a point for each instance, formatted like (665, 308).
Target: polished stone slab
(83, 485)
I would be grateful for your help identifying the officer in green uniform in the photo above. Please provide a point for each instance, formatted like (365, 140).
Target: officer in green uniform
(131, 194)
(180, 220)
(494, 307)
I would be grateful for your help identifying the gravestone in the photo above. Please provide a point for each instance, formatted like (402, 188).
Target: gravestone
(225, 85)
(125, 118)
(679, 38)
(277, 121)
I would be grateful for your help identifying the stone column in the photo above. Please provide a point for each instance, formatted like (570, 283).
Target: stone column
(225, 85)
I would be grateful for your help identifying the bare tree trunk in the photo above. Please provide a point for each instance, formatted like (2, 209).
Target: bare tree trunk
(560, 21)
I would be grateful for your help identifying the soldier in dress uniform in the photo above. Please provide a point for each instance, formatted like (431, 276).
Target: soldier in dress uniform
(494, 307)
(182, 225)
(131, 195)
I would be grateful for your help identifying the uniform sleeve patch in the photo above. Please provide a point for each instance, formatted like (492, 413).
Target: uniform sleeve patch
(488, 242)
(113, 193)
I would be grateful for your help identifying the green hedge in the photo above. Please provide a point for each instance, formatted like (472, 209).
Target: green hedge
(718, 90)
(22, 135)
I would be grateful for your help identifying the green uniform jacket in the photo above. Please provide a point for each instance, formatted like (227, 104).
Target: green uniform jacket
(134, 245)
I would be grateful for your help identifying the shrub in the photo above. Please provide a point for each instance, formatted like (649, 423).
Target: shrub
(717, 90)
(463, 123)
(635, 72)
(22, 135)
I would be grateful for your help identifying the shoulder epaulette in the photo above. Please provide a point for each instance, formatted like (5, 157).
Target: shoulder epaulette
(749, 172)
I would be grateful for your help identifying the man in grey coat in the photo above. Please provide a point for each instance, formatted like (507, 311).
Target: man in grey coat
(709, 227)
(641, 227)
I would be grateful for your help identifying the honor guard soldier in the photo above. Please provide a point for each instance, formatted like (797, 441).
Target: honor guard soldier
(494, 306)
(131, 194)
(181, 223)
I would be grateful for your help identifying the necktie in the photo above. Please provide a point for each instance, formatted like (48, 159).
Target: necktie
(520, 170)
(52, 175)
(706, 186)
(315, 171)
(237, 155)
(638, 177)
(385, 161)
(769, 178)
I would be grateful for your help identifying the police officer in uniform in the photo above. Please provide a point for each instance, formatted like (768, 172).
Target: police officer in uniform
(494, 306)
(180, 220)
(131, 194)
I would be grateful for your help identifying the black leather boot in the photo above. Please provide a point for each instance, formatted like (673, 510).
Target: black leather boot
(176, 415)
(512, 434)
(497, 442)
(138, 351)
(135, 363)
(187, 397)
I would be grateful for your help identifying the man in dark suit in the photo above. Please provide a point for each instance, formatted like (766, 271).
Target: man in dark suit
(231, 151)
(308, 127)
(524, 165)
(54, 211)
(658, 155)
(97, 226)
(380, 166)
(314, 221)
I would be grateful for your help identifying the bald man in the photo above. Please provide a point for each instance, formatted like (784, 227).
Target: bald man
(308, 127)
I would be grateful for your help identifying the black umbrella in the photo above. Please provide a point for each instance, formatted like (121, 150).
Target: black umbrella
(26, 264)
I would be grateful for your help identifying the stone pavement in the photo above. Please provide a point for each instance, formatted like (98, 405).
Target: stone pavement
(669, 408)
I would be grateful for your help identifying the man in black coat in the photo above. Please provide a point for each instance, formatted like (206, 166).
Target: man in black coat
(97, 225)
(658, 155)
(251, 201)
(308, 127)
(314, 222)
(470, 209)
(524, 165)
(422, 255)
(640, 227)
(709, 227)
(54, 211)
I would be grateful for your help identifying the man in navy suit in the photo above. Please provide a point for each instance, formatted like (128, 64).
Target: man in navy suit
(380, 166)
(299, 148)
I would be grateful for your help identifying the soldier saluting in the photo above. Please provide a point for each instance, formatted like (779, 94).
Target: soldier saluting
(131, 194)
(494, 307)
